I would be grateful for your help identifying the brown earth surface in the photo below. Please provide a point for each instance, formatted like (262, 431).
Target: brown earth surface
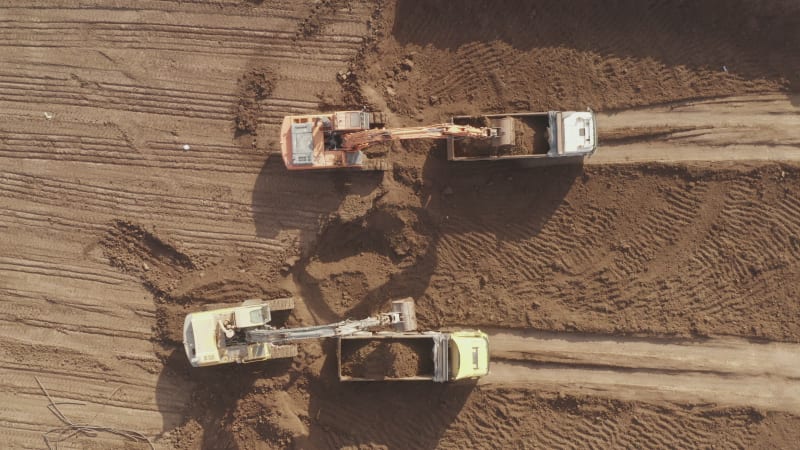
(648, 304)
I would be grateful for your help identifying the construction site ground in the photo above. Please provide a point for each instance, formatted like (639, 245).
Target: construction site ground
(647, 299)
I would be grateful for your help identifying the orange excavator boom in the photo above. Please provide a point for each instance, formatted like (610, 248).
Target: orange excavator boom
(352, 142)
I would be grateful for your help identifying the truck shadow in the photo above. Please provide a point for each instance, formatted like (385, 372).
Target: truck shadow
(510, 200)
(469, 210)
(750, 38)
(399, 414)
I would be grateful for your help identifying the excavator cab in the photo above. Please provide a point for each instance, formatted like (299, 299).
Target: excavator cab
(315, 141)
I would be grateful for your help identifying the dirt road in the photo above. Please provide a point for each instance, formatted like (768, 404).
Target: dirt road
(756, 127)
(732, 372)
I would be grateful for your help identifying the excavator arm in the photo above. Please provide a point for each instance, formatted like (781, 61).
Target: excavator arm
(242, 334)
(359, 140)
(344, 328)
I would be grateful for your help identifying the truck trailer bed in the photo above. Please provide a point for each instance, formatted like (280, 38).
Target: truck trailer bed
(376, 357)
(554, 135)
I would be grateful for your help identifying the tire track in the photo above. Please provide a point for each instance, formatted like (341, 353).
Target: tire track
(520, 417)
(197, 37)
(166, 156)
(727, 372)
(64, 91)
(648, 250)
(111, 201)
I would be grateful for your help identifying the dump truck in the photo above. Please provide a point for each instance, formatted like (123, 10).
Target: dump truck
(555, 136)
(338, 140)
(432, 356)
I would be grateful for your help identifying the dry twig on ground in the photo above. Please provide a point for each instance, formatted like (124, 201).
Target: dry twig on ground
(56, 435)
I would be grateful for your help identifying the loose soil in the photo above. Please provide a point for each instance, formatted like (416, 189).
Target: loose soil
(386, 358)
(254, 86)
(126, 201)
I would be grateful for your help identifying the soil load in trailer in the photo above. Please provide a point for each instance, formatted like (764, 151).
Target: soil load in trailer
(566, 135)
(387, 358)
(432, 356)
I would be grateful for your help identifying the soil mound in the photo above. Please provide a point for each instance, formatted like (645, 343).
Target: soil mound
(135, 250)
(254, 86)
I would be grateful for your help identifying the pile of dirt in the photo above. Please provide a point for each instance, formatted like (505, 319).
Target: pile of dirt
(135, 250)
(254, 86)
(387, 358)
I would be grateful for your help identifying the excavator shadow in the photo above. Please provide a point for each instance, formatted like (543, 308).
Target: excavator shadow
(215, 394)
(400, 414)
(285, 202)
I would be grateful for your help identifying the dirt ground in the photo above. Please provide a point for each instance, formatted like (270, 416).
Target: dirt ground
(646, 299)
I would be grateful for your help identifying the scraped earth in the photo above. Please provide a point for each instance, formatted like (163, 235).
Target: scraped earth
(647, 299)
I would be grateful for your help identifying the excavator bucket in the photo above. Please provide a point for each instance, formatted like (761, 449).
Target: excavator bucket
(408, 314)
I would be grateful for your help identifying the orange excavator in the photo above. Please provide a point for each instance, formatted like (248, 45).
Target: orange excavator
(337, 140)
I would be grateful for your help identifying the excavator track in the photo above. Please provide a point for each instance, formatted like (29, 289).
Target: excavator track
(280, 304)
(282, 351)
(377, 164)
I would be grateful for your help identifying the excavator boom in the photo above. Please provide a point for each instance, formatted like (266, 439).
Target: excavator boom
(361, 139)
(344, 328)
